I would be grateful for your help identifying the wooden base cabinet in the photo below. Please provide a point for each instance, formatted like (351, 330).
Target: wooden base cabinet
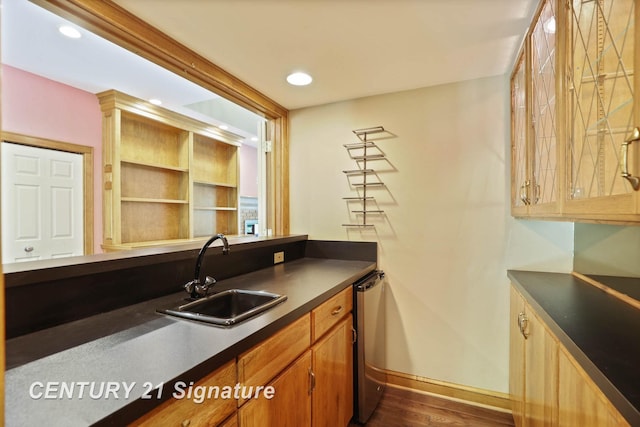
(332, 391)
(516, 358)
(309, 364)
(188, 412)
(290, 405)
(300, 376)
(547, 386)
(533, 367)
(580, 401)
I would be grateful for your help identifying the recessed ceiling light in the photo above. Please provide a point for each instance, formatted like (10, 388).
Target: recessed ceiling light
(155, 101)
(299, 79)
(223, 127)
(70, 31)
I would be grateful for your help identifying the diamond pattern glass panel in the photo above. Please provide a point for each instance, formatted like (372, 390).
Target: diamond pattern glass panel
(601, 95)
(519, 131)
(543, 76)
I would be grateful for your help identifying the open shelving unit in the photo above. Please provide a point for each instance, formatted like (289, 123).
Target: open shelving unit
(363, 152)
(167, 178)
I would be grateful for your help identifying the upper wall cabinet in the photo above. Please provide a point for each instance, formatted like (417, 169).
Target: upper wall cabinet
(575, 109)
(534, 88)
(167, 177)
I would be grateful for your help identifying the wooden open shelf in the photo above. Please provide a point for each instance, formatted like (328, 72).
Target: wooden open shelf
(167, 177)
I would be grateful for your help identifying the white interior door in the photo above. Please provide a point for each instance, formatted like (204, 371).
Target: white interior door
(42, 203)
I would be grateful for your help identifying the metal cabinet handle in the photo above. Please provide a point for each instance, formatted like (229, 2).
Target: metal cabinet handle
(28, 249)
(523, 323)
(312, 381)
(337, 310)
(624, 160)
(524, 192)
(354, 335)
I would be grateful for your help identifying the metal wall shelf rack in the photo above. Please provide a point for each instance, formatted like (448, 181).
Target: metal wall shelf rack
(363, 152)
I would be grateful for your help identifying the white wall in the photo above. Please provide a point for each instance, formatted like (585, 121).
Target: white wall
(607, 249)
(447, 238)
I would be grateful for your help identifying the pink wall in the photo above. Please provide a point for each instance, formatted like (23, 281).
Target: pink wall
(36, 106)
(248, 171)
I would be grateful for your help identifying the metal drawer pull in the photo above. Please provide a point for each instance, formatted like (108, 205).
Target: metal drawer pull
(624, 160)
(28, 249)
(337, 310)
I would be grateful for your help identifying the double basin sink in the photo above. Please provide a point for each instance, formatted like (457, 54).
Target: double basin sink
(226, 308)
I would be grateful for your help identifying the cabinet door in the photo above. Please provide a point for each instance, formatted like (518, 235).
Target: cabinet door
(603, 107)
(541, 379)
(257, 366)
(545, 175)
(581, 403)
(209, 412)
(516, 358)
(332, 399)
(519, 128)
(290, 405)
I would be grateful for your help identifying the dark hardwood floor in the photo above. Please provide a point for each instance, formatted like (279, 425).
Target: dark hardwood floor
(405, 408)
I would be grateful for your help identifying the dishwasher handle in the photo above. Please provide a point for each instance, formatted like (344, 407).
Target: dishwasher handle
(369, 281)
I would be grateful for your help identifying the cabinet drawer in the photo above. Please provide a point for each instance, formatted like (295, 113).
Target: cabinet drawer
(330, 312)
(210, 412)
(260, 364)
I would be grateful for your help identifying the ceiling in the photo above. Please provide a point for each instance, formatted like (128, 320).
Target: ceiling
(352, 48)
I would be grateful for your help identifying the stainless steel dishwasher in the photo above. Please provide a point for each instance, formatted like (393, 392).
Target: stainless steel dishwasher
(370, 343)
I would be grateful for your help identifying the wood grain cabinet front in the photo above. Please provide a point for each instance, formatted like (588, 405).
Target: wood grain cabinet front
(317, 388)
(290, 405)
(580, 401)
(533, 367)
(329, 313)
(332, 367)
(547, 386)
(575, 113)
(260, 364)
(185, 412)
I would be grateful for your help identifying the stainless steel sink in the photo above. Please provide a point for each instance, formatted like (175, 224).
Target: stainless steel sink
(226, 308)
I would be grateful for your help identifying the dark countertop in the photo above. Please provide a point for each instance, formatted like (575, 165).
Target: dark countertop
(629, 286)
(137, 346)
(599, 330)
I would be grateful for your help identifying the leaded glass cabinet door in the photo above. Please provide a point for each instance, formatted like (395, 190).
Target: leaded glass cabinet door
(544, 178)
(603, 107)
(519, 156)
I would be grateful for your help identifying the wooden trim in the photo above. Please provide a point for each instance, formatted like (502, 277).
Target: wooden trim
(623, 297)
(119, 26)
(87, 169)
(471, 395)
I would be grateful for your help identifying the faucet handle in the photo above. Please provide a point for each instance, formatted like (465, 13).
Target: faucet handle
(189, 287)
(209, 281)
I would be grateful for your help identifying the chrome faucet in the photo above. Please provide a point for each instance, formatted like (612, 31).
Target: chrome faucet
(195, 287)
